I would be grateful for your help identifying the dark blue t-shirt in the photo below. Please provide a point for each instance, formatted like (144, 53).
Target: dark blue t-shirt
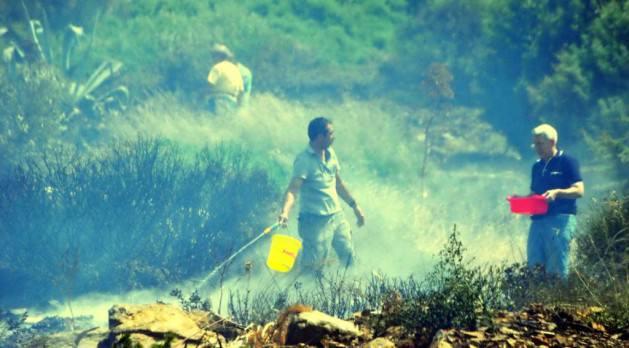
(560, 172)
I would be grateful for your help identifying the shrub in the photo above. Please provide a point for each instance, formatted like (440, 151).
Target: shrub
(165, 44)
(603, 261)
(135, 216)
(34, 101)
(453, 295)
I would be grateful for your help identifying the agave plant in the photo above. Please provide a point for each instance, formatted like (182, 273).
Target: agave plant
(89, 96)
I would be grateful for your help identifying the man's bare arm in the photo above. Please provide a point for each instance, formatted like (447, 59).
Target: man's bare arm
(577, 190)
(344, 193)
(290, 197)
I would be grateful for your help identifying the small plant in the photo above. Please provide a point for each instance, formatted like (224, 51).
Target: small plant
(12, 329)
(453, 295)
(523, 285)
(259, 307)
(193, 302)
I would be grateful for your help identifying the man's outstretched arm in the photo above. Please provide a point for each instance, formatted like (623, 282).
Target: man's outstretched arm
(344, 193)
(290, 197)
(575, 191)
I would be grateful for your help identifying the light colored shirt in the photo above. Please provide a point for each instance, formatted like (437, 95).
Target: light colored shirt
(318, 194)
(225, 78)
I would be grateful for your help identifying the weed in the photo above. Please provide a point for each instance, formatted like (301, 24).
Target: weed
(193, 302)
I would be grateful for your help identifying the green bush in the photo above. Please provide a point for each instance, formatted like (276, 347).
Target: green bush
(603, 258)
(165, 44)
(135, 216)
(604, 242)
(453, 295)
(33, 104)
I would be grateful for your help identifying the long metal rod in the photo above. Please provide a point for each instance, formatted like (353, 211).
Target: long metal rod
(265, 232)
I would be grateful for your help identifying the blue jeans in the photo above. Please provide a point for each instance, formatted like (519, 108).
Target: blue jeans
(319, 233)
(549, 243)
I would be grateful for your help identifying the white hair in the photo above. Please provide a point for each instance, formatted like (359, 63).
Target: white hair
(547, 131)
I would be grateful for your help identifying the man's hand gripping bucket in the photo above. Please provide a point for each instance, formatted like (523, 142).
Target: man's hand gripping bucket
(283, 252)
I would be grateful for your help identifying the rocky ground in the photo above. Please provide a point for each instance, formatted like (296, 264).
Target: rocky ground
(163, 325)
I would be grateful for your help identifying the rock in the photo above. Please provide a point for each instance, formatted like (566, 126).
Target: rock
(312, 327)
(210, 321)
(380, 343)
(155, 318)
(156, 323)
(441, 340)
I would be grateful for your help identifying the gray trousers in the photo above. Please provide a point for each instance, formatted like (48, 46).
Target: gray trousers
(320, 233)
(221, 104)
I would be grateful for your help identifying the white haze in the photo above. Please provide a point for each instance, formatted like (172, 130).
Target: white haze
(405, 228)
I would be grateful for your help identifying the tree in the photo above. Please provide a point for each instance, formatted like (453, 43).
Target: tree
(436, 85)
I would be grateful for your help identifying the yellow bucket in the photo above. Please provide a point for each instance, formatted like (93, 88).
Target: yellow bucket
(283, 252)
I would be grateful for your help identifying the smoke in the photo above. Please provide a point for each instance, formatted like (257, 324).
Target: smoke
(380, 156)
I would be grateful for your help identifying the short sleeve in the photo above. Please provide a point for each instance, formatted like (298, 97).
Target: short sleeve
(212, 77)
(300, 168)
(335, 160)
(573, 173)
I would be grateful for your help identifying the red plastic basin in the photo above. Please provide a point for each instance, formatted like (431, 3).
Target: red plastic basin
(533, 205)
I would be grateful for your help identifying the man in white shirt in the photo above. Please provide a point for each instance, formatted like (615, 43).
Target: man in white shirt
(225, 80)
(322, 223)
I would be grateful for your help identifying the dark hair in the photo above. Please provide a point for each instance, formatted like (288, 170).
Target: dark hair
(318, 126)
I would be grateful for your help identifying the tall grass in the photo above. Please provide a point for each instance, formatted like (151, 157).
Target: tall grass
(136, 216)
(603, 257)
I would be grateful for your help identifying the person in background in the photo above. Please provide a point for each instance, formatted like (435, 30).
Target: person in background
(225, 80)
(557, 177)
(316, 179)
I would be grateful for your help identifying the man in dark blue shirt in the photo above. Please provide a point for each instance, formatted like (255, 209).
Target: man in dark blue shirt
(557, 177)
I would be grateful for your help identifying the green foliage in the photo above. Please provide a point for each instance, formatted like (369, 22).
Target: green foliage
(603, 258)
(588, 72)
(166, 44)
(610, 128)
(45, 98)
(604, 244)
(13, 330)
(246, 307)
(523, 286)
(59, 48)
(193, 302)
(558, 60)
(34, 101)
(565, 62)
(454, 295)
(142, 215)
